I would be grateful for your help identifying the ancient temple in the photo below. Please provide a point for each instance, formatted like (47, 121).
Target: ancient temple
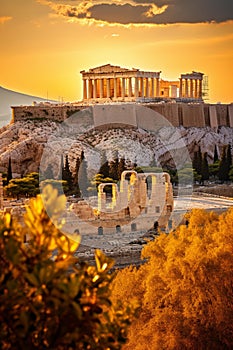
(119, 84)
(112, 83)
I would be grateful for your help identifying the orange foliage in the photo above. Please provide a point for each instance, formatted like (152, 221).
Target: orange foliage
(185, 290)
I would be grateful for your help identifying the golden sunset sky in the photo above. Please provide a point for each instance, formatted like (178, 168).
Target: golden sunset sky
(45, 44)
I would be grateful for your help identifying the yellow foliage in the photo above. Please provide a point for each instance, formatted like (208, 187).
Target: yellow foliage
(185, 288)
(48, 299)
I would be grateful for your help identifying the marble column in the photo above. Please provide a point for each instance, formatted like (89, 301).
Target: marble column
(94, 88)
(136, 87)
(147, 88)
(157, 87)
(186, 88)
(90, 90)
(130, 87)
(195, 88)
(152, 88)
(101, 88)
(123, 88)
(115, 87)
(191, 88)
(108, 88)
(142, 87)
(181, 88)
(84, 89)
(200, 89)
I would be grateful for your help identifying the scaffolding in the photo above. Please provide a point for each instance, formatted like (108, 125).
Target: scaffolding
(205, 88)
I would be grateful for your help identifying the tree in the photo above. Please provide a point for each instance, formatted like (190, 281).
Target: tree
(83, 179)
(48, 174)
(228, 157)
(48, 298)
(121, 167)
(104, 166)
(67, 175)
(184, 288)
(113, 167)
(27, 186)
(9, 171)
(214, 169)
(231, 173)
(61, 168)
(216, 159)
(197, 161)
(223, 167)
(76, 189)
(204, 168)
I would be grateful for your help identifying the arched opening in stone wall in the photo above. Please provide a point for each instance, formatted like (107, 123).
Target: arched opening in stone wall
(118, 228)
(100, 230)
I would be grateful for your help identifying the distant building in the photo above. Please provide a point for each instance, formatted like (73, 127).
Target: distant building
(113, 83)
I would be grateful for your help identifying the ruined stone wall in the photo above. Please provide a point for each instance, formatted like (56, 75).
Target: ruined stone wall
(52, 112)
(187, 115)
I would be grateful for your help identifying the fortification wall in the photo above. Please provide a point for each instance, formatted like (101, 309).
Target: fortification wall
(177, 114)
(53, 112)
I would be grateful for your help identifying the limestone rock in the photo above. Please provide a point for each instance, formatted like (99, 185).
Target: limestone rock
(27, 141)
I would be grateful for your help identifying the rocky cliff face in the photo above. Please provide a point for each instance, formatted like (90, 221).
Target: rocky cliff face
(30, 141)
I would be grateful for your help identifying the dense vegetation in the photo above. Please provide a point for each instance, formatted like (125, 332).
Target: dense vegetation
(185, 289)
(48, 300)
(78, 184)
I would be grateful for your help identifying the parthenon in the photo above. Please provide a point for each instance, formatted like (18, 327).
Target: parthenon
(113, 83)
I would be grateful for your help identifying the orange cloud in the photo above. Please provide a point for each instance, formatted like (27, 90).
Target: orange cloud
(4, 19)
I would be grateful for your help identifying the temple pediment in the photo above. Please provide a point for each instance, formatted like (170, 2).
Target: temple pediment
(108, 68)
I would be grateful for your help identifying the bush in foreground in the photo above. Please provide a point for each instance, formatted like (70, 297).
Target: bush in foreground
(47, 299)
(185, 289)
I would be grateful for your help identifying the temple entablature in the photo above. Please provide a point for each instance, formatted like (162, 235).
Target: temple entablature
(114, 83)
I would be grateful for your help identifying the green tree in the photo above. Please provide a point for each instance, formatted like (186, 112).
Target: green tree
(104, 166)
(204, 168)
(114, 167)
(83, 179)
(229, 157)
(121, 167)
(48, 298)
(197, 161)
(76, 189)
(9, 171)
(214, 169)
(216, 159)
(27, 186)
(67, 175)
(223, 167)
(48, 174)
(60, 185)
(231, 173)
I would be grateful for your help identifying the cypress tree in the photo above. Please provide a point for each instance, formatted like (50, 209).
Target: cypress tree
(229, 157)
(104, 166)
(61, 171)
(113, 167)
(9, 171)
(48, 174)
(67, 175)
(121, 167)
(216, 159)
(204, 168)
(83, 180)
(223, 166)
(197, 161)
(76, 178)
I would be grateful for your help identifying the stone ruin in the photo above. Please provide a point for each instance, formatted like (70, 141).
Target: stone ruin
(139, 201)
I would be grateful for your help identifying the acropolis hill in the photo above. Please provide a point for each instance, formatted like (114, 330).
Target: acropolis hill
(118, 97)
(180, 102)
